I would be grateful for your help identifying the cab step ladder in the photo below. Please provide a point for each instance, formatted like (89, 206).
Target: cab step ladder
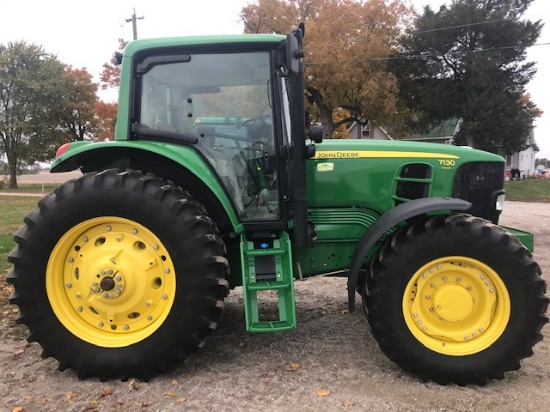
(267, 265)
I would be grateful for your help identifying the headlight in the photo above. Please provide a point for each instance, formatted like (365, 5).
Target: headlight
(499, 204)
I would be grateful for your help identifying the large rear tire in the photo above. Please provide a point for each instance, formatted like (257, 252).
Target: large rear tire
(455, 299)
(118, 275)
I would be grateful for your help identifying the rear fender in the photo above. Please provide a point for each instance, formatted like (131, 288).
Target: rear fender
(388, 220)
(93, 156)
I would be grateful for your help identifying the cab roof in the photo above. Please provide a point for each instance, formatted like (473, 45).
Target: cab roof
(144, 44)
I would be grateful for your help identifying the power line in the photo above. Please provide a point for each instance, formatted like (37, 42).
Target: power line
(416, 56)
(468, 25)
(457, 27)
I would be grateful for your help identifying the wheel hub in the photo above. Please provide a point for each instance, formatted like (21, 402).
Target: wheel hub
(453, 303)
(107, 284)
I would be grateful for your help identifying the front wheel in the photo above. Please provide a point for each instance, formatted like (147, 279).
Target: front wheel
(118, 275)
(455, 299)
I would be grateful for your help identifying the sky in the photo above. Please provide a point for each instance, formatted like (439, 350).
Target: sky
(84, 34)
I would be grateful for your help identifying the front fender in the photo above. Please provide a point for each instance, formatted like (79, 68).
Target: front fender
(90, 156)
(388, 220)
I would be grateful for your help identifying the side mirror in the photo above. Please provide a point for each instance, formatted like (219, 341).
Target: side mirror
(316, 134)
(294, 51)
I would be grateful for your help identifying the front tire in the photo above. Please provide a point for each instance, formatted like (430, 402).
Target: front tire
(118, 275)
(455, 299)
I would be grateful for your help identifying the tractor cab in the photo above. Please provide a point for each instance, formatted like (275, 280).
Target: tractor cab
(227, 101)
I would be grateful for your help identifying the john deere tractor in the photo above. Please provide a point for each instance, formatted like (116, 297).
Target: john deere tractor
(212, 183)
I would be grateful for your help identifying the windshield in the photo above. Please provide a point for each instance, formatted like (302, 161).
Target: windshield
(225, 100)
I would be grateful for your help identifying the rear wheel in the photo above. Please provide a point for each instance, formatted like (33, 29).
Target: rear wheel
(118, 275)
(456, 299)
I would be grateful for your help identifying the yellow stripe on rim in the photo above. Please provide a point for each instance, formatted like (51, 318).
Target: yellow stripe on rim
(456, 306)
(110, 281)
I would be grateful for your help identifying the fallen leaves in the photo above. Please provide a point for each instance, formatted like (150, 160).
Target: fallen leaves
(294, 366)
(106, 392)
(133, 385)
(323, 392)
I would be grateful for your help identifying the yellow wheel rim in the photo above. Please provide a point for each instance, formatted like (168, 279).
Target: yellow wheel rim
(456, 306)
(110, 282)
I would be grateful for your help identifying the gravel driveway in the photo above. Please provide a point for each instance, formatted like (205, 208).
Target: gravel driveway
(330, 363)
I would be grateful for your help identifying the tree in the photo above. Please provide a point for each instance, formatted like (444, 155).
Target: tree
(105, 115)
(467, 61)
(110, 76)
(78, 115)
(30, 91)
(43, 104)
(346, 42)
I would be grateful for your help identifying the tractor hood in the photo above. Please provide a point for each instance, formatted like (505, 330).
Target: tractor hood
(378, 174)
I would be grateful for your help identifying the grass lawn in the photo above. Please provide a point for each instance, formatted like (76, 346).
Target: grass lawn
(31, 188)
(529, 190)
(12, 211)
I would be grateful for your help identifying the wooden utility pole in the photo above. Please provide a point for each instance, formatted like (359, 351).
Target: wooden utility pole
(134, 19)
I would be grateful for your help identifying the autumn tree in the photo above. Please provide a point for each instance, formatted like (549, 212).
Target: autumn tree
(468, 60)
(346, 43)
(77, 114)
(110, 76)
(43, 104)
(105, 115)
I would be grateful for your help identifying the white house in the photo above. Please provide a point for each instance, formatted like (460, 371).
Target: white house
(522, 164)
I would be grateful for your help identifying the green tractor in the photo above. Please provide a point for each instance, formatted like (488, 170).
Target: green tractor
(211, 183)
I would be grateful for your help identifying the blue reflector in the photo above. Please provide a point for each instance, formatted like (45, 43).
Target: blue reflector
(264, 245)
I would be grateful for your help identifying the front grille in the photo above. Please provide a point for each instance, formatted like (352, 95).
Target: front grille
(479, 183)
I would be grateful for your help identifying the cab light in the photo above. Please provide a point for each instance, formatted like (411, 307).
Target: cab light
(62, 150)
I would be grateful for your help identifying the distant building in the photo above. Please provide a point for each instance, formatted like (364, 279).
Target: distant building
(370, 130)
(522, 164)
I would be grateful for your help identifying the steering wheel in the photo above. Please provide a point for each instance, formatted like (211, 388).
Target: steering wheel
(253, 119)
